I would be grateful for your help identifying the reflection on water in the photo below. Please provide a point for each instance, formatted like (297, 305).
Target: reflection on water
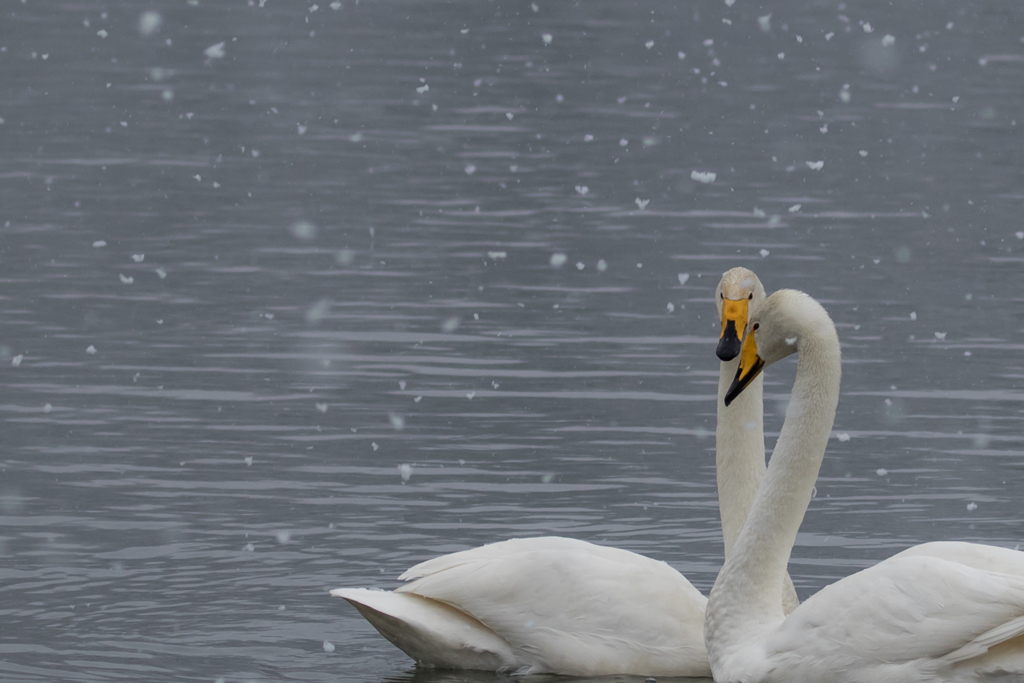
(296, 296)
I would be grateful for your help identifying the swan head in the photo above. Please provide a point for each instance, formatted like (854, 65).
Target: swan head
(739, 293)
(777, 329)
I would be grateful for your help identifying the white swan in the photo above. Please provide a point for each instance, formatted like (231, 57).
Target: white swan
(938, 611)
(560, 605)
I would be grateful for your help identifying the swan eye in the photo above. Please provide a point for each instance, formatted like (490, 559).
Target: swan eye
(722, 294)
(756, 327)
(750, 296)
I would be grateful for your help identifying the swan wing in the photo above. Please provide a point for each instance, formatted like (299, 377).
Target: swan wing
(1000, 650)
(987, 557)
(911, 607)
(573, 607)
(517, 546)
(431, 632)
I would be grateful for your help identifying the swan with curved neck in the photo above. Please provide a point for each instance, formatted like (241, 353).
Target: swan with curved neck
(739, 433)
(938, 611)
(560, 605)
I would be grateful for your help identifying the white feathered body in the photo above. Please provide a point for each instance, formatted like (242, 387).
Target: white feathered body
(544, 605)
(559, 605)
(912, 618)
(951, 612)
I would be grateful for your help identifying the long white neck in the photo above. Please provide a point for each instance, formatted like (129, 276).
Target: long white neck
(745, 596)
(739, 451)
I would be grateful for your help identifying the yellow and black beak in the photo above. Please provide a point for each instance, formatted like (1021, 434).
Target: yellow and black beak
(734, 322)
(750, 367)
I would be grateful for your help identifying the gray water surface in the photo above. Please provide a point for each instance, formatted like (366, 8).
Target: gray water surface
(278, 311)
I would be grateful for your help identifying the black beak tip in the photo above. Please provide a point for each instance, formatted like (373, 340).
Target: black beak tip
(742, 380)
(729, 344)
(728, 348)
(734, 391)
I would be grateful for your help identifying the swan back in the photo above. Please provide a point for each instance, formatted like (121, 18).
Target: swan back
(572, 607)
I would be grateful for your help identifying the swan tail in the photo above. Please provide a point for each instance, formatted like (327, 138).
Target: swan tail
(431, 632)
(999, 650)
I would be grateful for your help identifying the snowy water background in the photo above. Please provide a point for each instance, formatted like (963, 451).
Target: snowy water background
(297, 295)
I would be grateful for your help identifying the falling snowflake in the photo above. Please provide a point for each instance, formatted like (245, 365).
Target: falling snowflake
(215, 51)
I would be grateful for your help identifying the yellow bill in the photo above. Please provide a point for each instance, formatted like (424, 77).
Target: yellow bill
(750, 367)
(734, 322)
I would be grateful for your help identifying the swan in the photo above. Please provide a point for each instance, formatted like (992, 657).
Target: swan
(936, 612)
(565, 606)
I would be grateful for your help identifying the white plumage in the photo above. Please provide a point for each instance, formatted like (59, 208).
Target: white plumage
(938, 611)
(560, 605)
(545, 604)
